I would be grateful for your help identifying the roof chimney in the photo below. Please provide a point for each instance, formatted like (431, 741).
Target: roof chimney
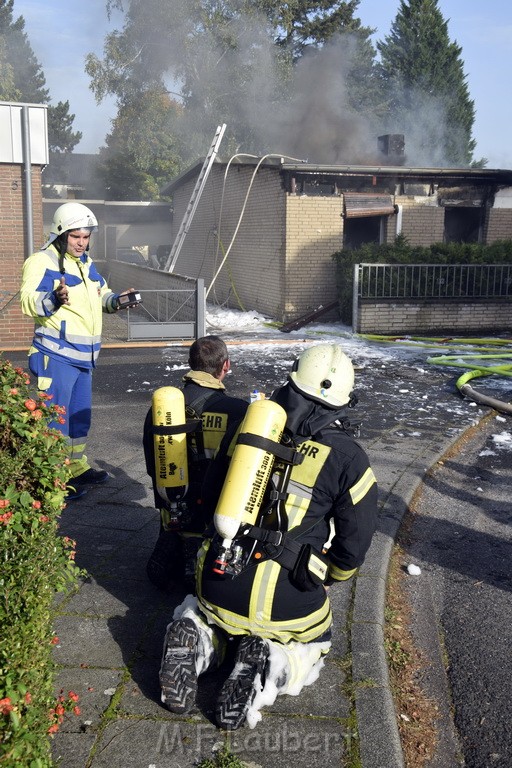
(393, 146)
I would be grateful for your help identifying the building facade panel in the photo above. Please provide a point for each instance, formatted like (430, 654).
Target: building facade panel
(15, 329)
(314, 231)
(243, 218)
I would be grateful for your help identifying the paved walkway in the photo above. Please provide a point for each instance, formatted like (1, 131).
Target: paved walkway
(111, 630)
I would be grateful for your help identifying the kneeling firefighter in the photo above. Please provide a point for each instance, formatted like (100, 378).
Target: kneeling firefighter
(262, 575)
(182, 431)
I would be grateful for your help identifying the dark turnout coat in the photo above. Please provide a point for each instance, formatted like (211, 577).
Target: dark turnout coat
(330, 506)
(207, 400)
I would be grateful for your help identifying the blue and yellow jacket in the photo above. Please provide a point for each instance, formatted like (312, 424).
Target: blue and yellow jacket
(70, 332)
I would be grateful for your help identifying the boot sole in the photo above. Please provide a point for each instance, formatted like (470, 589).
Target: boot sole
(178, 677)
(238, 692)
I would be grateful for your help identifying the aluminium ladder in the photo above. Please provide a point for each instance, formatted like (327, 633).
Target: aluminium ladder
(195, 197)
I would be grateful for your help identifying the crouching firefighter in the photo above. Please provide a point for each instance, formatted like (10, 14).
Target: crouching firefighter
(182, 431)
(295, 514)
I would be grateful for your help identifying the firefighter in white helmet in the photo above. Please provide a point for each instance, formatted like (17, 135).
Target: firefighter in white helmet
(65, 294)
(313, 531)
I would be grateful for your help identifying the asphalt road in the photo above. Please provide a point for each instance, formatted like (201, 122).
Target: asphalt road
(461, 538)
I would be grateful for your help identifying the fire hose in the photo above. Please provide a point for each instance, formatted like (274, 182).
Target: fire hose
(477, 369)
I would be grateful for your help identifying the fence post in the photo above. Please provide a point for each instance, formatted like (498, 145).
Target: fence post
(355, 300)
(200, 308)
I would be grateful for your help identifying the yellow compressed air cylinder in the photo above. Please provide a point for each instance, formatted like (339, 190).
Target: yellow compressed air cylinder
(168, 410)
(249, 470)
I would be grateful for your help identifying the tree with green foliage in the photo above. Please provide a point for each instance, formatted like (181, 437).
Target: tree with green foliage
(8, 91)
(200, 51)
(141, 152)
(302, 24)
(255, 65)
(25, 81)
(426, 89)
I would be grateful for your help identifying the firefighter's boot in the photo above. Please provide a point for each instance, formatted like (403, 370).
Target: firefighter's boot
(178, 672)
(245, 681)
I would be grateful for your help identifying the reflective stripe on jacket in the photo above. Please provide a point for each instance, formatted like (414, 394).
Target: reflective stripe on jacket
(71, 331)
(334, 486)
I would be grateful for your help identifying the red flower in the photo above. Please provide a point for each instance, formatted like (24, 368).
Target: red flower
(30, 404)
(54, 640)
(6, 706)
(28, 698)
(43, 518)
(53, 728)
(4, 503)
(5, 517)
(77, 710)
(37, 414)
(13, 391)
(73, 696)
(36, 504)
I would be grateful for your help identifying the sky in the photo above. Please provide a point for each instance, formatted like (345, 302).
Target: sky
(482, 30)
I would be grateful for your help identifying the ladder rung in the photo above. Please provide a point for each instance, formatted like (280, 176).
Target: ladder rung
(194, 199)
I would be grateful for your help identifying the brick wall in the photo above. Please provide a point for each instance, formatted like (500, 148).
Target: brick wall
(499, 224)
(314, 231)
(434, 316)
(16, 329)
(422, 224)
(252, 276)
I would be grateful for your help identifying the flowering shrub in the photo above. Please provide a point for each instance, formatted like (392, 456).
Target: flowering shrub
(35, 563)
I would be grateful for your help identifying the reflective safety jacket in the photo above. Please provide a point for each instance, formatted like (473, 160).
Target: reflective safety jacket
(331, 497)
(69, 332)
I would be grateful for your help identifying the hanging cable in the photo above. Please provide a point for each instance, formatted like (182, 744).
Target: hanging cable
(261, 160)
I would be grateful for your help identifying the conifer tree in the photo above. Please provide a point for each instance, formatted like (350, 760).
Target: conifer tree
(426, 88)
(27, 80)
(303, 24)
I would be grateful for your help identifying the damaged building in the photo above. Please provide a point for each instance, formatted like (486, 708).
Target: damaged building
(264, 231)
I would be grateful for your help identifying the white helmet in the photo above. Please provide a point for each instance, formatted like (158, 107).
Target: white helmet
(324, 373)
(71, 216)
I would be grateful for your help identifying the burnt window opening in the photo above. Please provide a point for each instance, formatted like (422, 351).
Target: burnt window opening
(361, 230)
(463, 225)
(312, 186)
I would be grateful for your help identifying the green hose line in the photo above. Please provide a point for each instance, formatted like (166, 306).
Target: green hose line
(459, 361)
(440, 341)
(230, 275)
(463, 360)
(454, 340)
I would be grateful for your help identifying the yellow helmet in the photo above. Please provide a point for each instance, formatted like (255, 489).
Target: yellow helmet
(325, 374)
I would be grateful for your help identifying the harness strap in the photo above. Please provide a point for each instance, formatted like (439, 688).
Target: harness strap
(283, 452)
(280, 547)
(195, 410)
(176, 429)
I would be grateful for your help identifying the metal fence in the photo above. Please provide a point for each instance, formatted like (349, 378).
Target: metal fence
(177, 313)
(432, 281)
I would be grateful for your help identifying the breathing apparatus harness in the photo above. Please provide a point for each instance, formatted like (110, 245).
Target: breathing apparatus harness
(269, 539)
(182, 507)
